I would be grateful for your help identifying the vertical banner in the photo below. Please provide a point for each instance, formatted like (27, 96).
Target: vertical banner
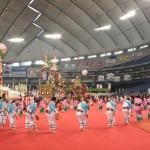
(98, 86)
(101, 86)
(109, 86)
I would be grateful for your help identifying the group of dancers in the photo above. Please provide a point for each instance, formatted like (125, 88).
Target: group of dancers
(12, 109)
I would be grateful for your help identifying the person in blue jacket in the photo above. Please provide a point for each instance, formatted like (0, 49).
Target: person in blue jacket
(81, 113)
(51, 114)
(3, 114)
(30, 113)
(110, 112)
(11, 112)
(126, 109)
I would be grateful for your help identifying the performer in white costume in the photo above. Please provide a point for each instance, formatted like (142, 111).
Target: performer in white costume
(11, 112)
(31, 112)
(51, 113)
(81, 113)
(2, 112)
(110, 112)
(126, 109)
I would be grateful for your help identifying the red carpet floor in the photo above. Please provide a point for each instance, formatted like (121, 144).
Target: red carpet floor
(68, 137)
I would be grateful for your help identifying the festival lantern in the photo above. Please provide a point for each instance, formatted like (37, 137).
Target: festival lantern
(84, 72)
(127, 77)
(73, 80)
(3, 50)
(100, 78)
(117, 79)
(110, 76)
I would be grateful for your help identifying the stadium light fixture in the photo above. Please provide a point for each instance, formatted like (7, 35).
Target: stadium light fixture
(144, 46)
(131, 49)
(39, 62)
(15, 40)
(53, 36)
(75, 58)
(108, 54)
(92, 56)
(65, 59)
(118, 52)
(128, 15)
(107, 27)
(33, 9)
(27, 63)
(16, 64)
(81, 57)
(102, 55)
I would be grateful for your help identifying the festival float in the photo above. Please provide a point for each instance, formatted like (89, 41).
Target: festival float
(3, 50)
(54, 83)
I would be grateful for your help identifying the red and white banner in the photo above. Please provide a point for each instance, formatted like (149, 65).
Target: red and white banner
(137, 55)
(96, 63)
(82, 64)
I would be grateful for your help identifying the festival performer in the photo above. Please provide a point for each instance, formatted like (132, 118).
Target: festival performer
(81, 113)
(20, 106)
(90, 102)
(30, 113)
(148, 107)
(100, 102)
(3, 114)
(11, 112)
(51, 113)
(126, 109)
(65, 105)
(110, 112)
(42, 106)
(145, 103)
(122, 99)
(138, 108)
(75, 104)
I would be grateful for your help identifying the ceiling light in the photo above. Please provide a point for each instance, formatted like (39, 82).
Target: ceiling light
(102, 55)
(53, 36)
(31, 2)
(40, 32)
(103, 28)
(33, 9)
(37, 25)
(15, 64)
(108, 54)
(79, 58)
(144, 46)
(17, 40)
(37, 17)
(39, 62)
(128, 15)
(76, 58)
(82, 57)
(117, 53)
(131, 49)
(92, 56)
(65, 59)
(27, 63)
